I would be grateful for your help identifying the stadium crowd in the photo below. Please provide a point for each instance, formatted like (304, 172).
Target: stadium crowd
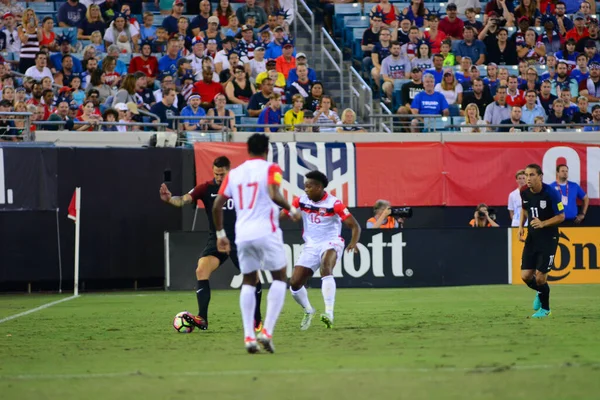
(105, 60)
(531, 62)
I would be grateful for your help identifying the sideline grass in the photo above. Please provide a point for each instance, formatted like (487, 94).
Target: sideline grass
(447, 343)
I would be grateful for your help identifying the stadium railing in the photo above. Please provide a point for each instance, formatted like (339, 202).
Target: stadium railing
(337, 64)
(300, 5)
(302, 127)
(393, 123)
(27, 134)
(361, 95)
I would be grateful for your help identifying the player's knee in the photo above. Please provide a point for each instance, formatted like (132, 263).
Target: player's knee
(295, 284)
(540, 279)
(526, 276)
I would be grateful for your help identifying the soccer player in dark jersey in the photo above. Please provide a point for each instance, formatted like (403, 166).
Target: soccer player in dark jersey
(211, 258)
(543, 207)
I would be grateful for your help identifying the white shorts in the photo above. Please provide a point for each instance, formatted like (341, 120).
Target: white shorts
(265, 253)
(313, 253)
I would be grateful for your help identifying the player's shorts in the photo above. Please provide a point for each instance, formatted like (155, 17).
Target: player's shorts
(265, 253)
(211, 250)
(539, 257)
(312, 254)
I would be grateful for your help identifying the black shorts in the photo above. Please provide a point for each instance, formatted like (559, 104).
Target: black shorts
(539, 256)
(211, 250)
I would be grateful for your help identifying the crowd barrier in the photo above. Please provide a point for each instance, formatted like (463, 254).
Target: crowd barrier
(407, 258)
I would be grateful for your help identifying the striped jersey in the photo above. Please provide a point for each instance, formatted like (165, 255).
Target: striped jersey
(322, 220)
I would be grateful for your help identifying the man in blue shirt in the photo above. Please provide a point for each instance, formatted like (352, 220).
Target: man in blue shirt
(164, 108)
(70, 14)
(170, 22)
(270, 115)
(65, 49)
(429, 102)
(193, 109)
(168, 63)
(438, 68)
(470, 47)
(570, 192)
(595, 127)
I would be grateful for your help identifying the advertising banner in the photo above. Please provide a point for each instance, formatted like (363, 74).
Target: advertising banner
(28, 179)
(418, 174)
(576, 259)
(386, 259)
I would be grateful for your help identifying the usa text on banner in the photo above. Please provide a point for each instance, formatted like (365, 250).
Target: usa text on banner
(576, 258)
(336, 160)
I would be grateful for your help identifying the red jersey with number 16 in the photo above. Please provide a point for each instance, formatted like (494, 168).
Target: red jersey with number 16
(248, 186)
(322, 220)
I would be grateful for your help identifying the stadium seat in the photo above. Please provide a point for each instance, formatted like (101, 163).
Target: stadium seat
(250, 121)
(126, 58)
(150, 6)
(357, 52)
(238, 109)
(285, 108)
(42, 7)
(367, 8)
(457, 121)
(342, 10)
(193, 137)
(351, 22)
(236, 6)
(158, 20)
(58, 4)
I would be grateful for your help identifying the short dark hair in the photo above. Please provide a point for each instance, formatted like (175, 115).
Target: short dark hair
(559, 166)
(318, 176)
(167, 91)
(40, 53)
(111, 111)
(538, 169)
(258, 144)
(66, 56)
(222, 162)
(395, 43)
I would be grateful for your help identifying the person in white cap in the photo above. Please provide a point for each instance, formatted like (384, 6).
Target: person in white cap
(302, 60)
(193, 109)
(125, 115)
(13, 41)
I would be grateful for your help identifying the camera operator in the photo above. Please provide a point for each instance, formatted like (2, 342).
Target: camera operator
(385, 217)
(483, 217)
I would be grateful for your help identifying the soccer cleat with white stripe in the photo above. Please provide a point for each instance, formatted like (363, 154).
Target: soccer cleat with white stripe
(306, 320)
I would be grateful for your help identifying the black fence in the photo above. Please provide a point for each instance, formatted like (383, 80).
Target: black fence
(386, 259)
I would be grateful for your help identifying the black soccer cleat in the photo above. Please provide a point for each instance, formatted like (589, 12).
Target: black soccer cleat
(196, 321)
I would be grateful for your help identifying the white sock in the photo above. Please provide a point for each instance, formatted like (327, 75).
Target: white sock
(301, 297)
(247, 305)
(328, 290)
(275, 300)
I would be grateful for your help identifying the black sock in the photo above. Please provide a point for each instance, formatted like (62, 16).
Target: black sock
(545, 296)
(257, 314)
(203, 297)
(533, 284)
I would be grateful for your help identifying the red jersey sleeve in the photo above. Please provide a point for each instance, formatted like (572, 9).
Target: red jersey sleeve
(198, 192)
(341, 210)
(275, 175)
(224, 189)
(295, 203)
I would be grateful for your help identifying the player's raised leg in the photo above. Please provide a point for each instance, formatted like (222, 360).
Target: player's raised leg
(298, 281)
(328, 287)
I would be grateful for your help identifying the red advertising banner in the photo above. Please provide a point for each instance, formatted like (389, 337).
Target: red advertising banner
(418, 174)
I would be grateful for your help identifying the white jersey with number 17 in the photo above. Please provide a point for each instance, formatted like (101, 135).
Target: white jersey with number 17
(248, 186)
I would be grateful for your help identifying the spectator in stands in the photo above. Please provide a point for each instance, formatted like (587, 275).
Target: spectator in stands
(570, 107)
(472, 117)
(193, 109)
(302, 84)
(92, 22)
(434, 36)
(395, 68)
(563, 81)
(65, 49)
(294, 116)
(122, 34)
(501, 9)
(348, 122)
(450, 88)
(223, 12)
(557, 115)
(515, 97)
(200, 22)
(380, 52)
(36, 93)
(581, 72)
(126, 93)
(285, 62)
(88, 116)
(470, 47)
(233, 28)
(258, 64)
(219, 110)
(302, 60)
(550, 37)
(389, 13)
(545, 98)
(110, 115)
(463, 5)
(590, 87)
(260, 99)
(532, 51)
(409, 91)
(78, 94)
(148, 30)
(514, 199)
(109, 9)
(40, 69)
(563, 23)
(586, 9)
(325, 115)
(409, 49)
(369, 39)
(438, 70)
(482, 218)
(472, 21)
(270, 115)
(15, 8)
(579, 31)
(275, 48)
(429, 101)
(595, 120)
(165, 108)
(70, 14)
(591, 52)
(61, 114)
(279, 80)
(528, 9)
(170, 22)
(250, 9)
(247, 44)
(416, 13)
(594, 36)
(47, 35)
(497, 111)
(513, 123)
(207, 88)
(532, 109)
(30, 37)
(568, 55)
(145, 62)
(67, 70)
(531, 80)
(479, 95)
(239, 89)
(111, 77)
(212, 32)
(13, 41)
(582, 116)
(451, 25)
(221, 61)
(423, 59)
(168, 63)
(98, 83)
(503, 51)
(491, 81)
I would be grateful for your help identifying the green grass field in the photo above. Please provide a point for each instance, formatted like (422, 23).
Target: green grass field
(448, 343)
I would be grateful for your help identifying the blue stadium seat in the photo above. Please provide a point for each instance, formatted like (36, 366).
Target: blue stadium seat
(238, 109)
(285, 108)
(350, 23)
(42, 7)
(58, 4)
(248, 120)
(158, 20)
(342, 10)
(193, 136)
(126, 58)
(457, 121)
(236, 6)
(367, 8)
(150, 6)
(357, 52)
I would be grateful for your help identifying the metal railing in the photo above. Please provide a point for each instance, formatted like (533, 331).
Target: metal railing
(27, 135)
(391, 123)
(383, 126)
(225, 132)
(337, 65)
(306, 128)
(310, 28)
(361, 96)
(96, 125)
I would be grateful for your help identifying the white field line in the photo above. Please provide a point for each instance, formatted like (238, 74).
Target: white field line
(109, 375)
(42, 307)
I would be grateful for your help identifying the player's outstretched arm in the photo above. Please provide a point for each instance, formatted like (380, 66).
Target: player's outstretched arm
(177, 201)
(351, 223)
(277, 198)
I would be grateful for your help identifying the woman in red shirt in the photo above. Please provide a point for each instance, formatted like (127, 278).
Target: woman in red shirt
(389, 12)
(48, 37)
(223, 12)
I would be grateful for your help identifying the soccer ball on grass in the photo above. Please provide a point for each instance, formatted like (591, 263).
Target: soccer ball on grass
(181, 325)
